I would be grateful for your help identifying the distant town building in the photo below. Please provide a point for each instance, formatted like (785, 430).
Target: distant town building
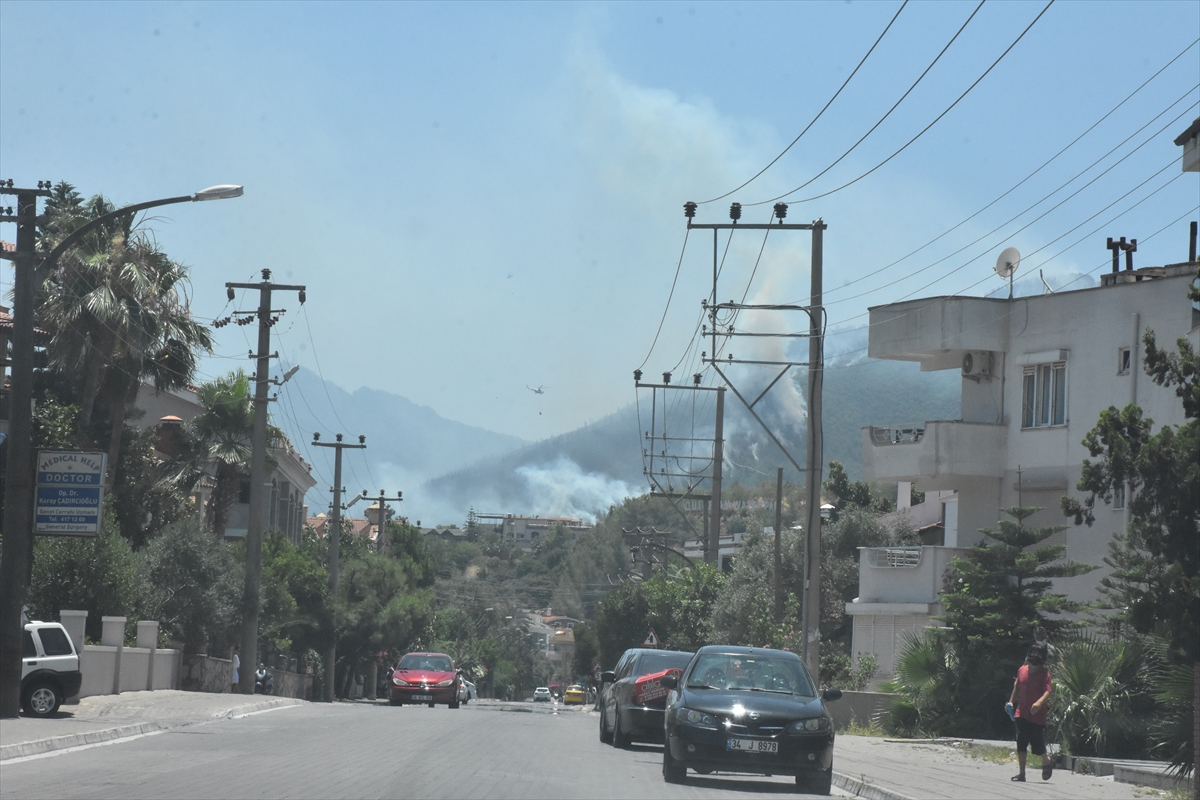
(524, 532)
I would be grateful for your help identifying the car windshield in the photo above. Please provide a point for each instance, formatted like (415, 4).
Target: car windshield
(735, 672)
(650, 663)
(426, 663)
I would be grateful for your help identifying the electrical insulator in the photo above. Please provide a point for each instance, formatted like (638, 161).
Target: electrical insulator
(302, 297)
(696, 379)
(362, 440)
(637, 376)
(735, 212)
(666, 377)
(780, 211)
(229, 293)
(689, 209)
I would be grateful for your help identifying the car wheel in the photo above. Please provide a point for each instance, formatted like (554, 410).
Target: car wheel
(618, 739)
(42, 699)
(816, 782)
(673, 771)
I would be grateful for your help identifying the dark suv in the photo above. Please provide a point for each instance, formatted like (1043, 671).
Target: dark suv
(632, 699)
(49, 668)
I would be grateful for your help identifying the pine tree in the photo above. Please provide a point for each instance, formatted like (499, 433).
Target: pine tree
(999, 594)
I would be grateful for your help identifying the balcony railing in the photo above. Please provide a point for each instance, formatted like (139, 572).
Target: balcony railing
(894, 557)
(905, 434)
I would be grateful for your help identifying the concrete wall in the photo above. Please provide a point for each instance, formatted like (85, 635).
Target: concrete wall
(98, 663)
(204, 673)
(862, 707)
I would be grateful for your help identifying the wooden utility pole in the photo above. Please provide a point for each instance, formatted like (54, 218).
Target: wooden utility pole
(334, 533)
(382, 545)
(713, 555)
(259, 487)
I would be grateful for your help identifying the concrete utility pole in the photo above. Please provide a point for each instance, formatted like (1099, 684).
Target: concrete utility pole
(816, 372)
(258, 471)
(334, 532)
(713, 555)
(778, 579)
(382, 545)
(18, 491)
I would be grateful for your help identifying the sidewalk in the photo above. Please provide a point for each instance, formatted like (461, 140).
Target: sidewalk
(876, 769)
(114, 716)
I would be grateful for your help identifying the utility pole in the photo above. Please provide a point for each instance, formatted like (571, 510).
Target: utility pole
(18, 491)
(778, 546)
(382, 545)
(258, 470)
(816, 372)
(335, 538)
(713, 556)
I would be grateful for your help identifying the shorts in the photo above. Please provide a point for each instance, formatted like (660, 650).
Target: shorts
(1030, 735)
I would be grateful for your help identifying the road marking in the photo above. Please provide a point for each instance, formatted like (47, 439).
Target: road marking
(263, 711)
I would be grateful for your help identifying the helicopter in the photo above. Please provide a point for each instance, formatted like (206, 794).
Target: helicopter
(538, 390)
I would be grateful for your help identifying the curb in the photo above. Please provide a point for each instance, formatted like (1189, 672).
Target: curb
(49, 745)
(867, 791)
(39, 746)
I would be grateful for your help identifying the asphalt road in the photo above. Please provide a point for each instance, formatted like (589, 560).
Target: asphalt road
(361, 750)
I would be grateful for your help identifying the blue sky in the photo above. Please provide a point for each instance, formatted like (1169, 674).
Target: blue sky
(483, 197)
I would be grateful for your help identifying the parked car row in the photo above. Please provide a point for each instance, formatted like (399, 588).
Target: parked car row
(723, 708)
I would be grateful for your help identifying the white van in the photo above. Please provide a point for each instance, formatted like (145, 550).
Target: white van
(49, 668)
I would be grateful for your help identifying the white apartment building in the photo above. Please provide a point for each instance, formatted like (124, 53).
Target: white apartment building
(1036, 374)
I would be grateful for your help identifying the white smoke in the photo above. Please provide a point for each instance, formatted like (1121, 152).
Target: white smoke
(562, 489)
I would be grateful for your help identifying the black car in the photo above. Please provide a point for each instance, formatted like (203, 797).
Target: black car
(746, 709)
(632, 697)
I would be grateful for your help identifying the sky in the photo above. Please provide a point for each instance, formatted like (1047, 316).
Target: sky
(487, 197)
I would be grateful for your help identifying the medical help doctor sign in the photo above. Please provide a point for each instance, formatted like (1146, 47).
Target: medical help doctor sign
(70, 492)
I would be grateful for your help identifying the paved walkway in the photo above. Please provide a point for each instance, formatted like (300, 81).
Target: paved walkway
(891, 770)
(106, 717)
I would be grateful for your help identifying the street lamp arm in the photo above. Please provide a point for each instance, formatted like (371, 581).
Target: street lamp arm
(213, 193)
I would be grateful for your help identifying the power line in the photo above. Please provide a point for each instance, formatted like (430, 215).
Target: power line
(922, 131)
(1039, 169)
(819, 113)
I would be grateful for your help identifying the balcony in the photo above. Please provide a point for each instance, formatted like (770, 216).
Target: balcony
(939, 449)
(901, 575)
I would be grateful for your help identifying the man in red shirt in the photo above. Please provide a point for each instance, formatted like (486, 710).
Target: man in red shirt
(1030, 698)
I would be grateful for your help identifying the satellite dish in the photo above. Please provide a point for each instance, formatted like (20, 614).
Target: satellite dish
(1007, 263)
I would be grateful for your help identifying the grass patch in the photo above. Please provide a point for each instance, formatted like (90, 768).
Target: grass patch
(993, 753)
(855, 728)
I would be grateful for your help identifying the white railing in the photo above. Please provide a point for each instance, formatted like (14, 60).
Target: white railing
(894, 557)
(904, 434)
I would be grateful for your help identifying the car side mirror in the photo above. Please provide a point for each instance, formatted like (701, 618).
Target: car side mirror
(608, 676)
(831, 694)
(669, 681)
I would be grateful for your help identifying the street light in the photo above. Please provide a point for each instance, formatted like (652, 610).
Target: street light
(18, 490)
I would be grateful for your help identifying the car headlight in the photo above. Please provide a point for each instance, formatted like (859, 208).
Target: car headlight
(446, 682)
(690, 716)
(814, 725)
(399, 682)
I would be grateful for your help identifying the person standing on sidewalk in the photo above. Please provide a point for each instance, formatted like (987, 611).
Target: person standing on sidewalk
(237, 663)
(1030, 700)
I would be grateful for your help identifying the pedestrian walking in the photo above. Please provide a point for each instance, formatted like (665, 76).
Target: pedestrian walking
(1029, 702)
(237, 663)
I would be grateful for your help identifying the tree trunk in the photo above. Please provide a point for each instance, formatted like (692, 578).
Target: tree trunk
(119, 409)
(228, 483)
(92, 374)
(1195, 729)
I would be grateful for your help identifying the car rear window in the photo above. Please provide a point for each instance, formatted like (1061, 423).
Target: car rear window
(55, 642)
(657, 662)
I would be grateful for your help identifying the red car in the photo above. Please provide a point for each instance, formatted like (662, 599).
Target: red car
(425, 678)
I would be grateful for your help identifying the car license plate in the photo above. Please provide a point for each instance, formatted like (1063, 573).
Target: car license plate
(752, 745)
(422, 698)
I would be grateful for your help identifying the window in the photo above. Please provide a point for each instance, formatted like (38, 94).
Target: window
(1118, 501)
(1124, 360)
(55, 642)
(1044, 395)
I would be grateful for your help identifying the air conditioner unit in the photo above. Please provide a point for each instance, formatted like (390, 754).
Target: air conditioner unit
(977, 364)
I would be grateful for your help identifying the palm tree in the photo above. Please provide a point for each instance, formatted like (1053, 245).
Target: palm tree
(117, 312)
(220, 441)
